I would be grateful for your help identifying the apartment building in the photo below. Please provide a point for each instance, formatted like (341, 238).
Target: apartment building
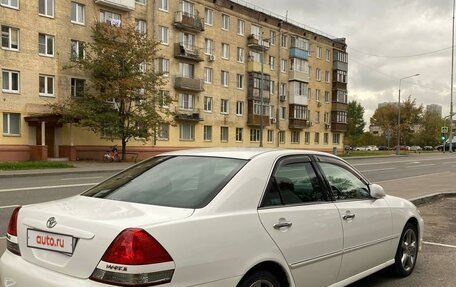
(239, 76)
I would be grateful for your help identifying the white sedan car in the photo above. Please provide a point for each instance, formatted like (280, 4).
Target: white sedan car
(216, 218)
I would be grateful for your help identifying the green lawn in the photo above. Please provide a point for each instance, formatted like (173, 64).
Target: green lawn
(379, 152)
(22, 165)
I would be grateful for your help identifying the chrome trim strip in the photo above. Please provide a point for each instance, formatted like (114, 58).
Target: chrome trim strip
(341, 252)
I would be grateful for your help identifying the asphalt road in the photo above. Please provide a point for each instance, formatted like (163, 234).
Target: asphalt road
(407, 177)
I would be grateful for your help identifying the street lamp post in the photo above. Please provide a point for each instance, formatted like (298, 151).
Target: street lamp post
(398, 147)
(451, 93)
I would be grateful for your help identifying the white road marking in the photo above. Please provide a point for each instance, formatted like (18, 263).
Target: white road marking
(439, 244)
(47, 187)
(8, 206)
(431, 164)
(369, 170)
(373, 163)
(79, 178)
(416, 176)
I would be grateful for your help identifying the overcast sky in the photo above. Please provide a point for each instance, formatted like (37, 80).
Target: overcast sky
(387, 40)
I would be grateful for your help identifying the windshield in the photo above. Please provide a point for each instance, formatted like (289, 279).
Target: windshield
(178, 181)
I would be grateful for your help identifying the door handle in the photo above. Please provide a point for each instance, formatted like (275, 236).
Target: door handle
(348, 216)
(282, 224)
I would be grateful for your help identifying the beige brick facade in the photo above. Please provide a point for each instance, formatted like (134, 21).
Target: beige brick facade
(320, 124)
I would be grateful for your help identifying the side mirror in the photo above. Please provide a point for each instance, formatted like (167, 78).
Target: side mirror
(376, 191)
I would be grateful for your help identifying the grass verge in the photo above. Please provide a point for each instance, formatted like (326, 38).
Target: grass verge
(24, 165)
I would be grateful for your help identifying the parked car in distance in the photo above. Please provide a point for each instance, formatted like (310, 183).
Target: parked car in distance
(366, 148)
(216, 218)
(447, 147)
(402, 147)
(383, 147)
(415, 148)
(428, 147)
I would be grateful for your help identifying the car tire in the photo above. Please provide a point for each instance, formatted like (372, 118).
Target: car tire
(407, 251)
(260, 279)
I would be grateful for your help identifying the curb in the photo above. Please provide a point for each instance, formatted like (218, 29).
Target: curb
(58, 172)
(431, 197)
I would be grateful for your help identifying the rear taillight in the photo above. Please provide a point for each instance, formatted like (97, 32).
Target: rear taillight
(131, 260)
(11, 243)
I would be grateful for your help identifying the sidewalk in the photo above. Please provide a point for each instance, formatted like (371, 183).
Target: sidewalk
(79, 167)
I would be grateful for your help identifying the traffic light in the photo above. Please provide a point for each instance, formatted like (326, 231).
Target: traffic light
(443, 137)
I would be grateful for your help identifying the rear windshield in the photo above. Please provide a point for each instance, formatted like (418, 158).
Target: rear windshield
(178, 181)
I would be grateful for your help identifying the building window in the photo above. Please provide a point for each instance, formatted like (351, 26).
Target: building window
(143, 2)
(271, 62)
(319, 52)
(46, 8)
(317, 95)
(163, 132)
(326, 97)
(283, 89)
(239, 108)
(336, 138)
(317, 138)
(207, 133)
(12, 124)
(295, 135)
(187, 132)
(46, 86)
(186, 102)
(224, 134)
(188, 8)
(272, 87)
(272, 37)
(77, 13)
(326, 118)
(240, 81)
(224, 106)
(207, 104)
(307, 137)
(283, 41)
(77, 50)
(225, 51)
(240, 27)
(225, 22)
(208, 46)
(77, 88)
(327, 77)
(317, 74)
(283, 65)
(328, 55)
(239, 134)
(317, 117)
(163, 98)
(163, 37)
(283, 113)
(187, 70)
(341, 117)
(10, 38)
(10, 3)
(46, 45)
(208, 16)
(270, 137)
(325, 138)
(300, 112)
(282, 137)
(225, 78)
(254, 135)
(10, 81)
(341, 76)
(240, 55)
(163, 5)
(163, 66)
(141, 26)
(341, 96)
(207, 75)
(110, 18)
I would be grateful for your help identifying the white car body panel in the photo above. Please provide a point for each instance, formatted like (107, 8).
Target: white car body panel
(219, 243)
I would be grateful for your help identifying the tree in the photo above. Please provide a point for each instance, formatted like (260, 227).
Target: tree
(355, 122)
(430, 131)
(123, 100)
(386, 118)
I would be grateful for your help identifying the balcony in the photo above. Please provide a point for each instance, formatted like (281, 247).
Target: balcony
(298, 53)
(254, 66)
(255, 120)
(188, 84)
(341, 66)
(296, 99)
(187, 52)
(124, 5)
(187, 21)
(254, 94)
(297, 124)
(338, 127)
(187, 115)
(341, 107)
(339, 86)
(298, 76)
(254, 43)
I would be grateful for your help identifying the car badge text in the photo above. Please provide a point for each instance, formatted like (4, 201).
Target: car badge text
(51, 222)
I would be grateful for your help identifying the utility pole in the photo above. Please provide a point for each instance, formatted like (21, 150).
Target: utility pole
(451, 92)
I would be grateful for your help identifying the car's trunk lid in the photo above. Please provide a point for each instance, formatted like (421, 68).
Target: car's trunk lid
(71, 235)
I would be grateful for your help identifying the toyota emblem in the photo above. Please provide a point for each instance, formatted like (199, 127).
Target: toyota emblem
(51, 222)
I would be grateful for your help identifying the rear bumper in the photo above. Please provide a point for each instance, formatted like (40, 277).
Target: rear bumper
(16, 272)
